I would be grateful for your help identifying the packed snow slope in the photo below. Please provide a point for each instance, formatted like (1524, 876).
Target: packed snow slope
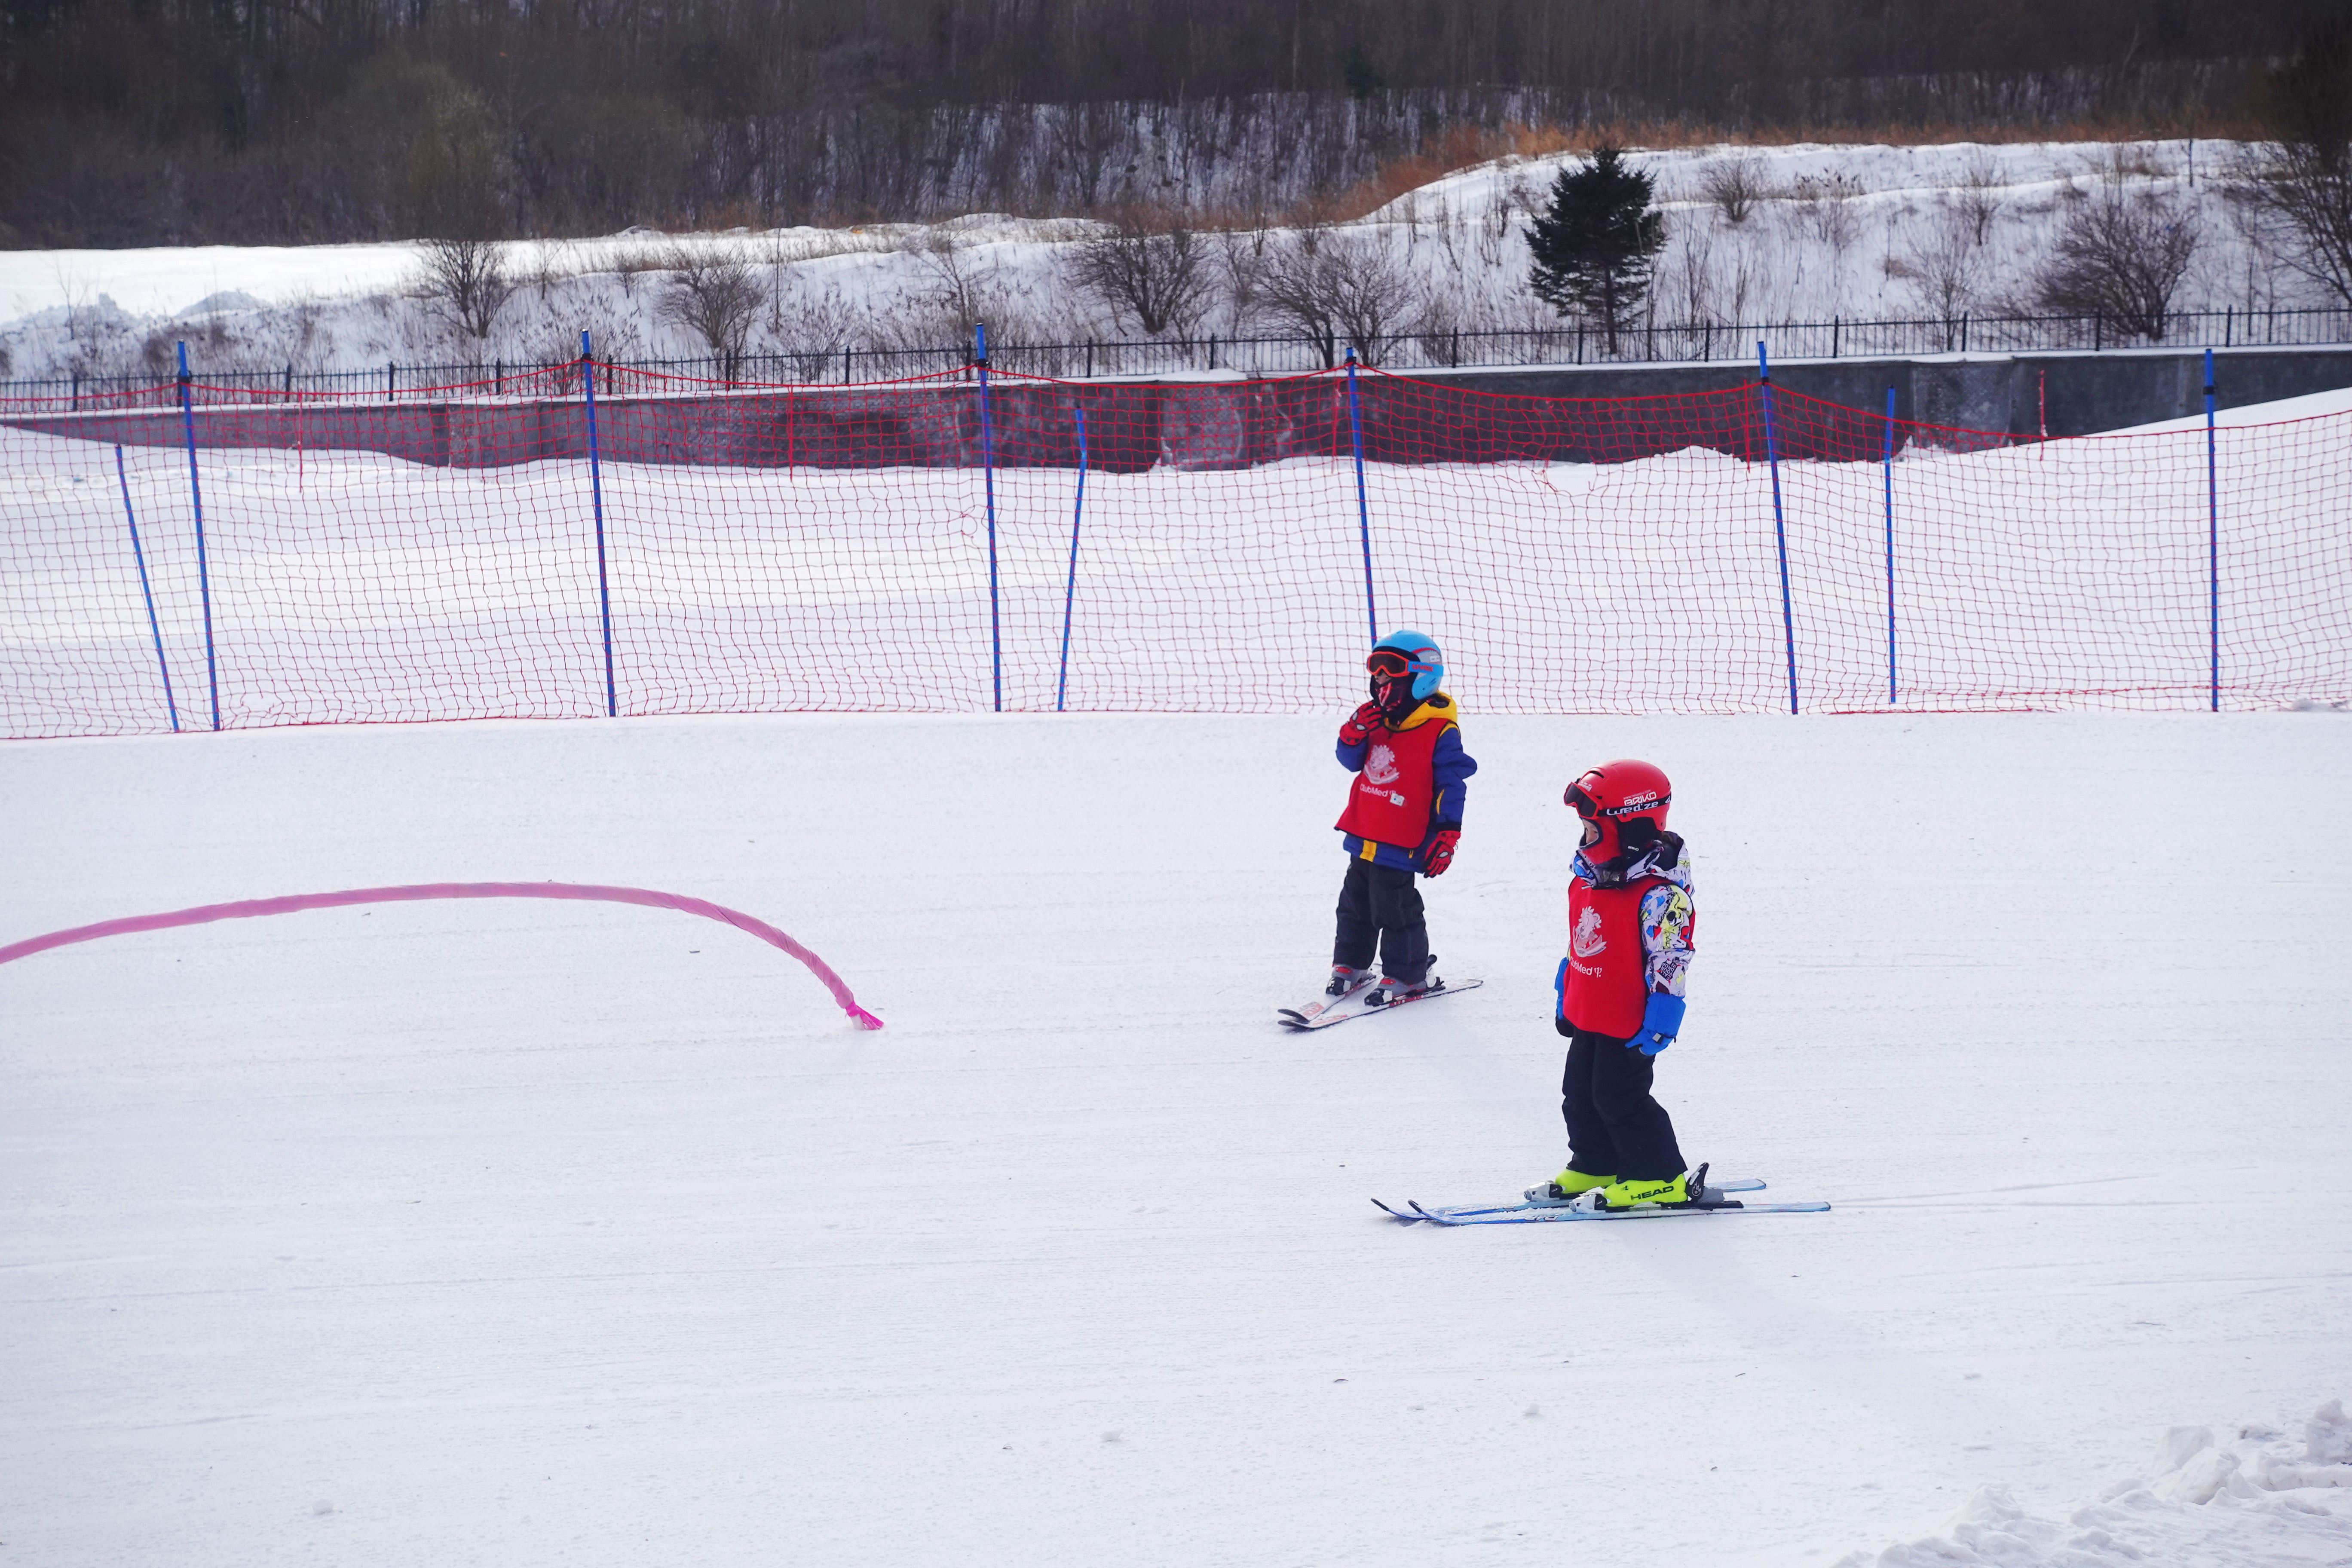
(526, 1233)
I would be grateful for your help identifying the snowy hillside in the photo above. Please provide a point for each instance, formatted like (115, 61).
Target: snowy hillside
(536, 1234)
(1857, 232)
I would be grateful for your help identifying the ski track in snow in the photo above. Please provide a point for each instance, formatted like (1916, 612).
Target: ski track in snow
(523, 1234)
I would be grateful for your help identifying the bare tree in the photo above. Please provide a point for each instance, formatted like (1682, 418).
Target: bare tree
(1336, 291)
(1944, 271)
(1157, 273)
(2305, 178)
(956, 286)
(1438, 329)
(814, 327)
(2119, 258)
(1825, 206)
(1982, 180)
(466, 283)
(715, 292)
(1735, 185)
(1287, 283)
(1689, 281)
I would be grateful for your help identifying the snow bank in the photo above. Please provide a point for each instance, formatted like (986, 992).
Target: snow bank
(2257, 1499)
(2312, 405)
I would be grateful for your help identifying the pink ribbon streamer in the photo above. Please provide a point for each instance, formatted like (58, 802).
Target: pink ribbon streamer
(299, 901)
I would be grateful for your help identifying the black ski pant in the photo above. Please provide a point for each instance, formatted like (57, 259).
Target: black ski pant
(1614, 1128)
(1379, 910)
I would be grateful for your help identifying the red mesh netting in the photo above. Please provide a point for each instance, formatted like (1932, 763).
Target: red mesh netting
(437, 556)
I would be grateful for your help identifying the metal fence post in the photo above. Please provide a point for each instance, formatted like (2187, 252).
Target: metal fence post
(596, 498)
(2212, 540)
(1070, 593)
(1363, 506)
(988, 478)
(146, 593)
(1779, 525)
(204, 567)
(1889, 462)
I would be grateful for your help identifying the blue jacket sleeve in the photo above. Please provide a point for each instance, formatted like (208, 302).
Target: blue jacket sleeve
(1450, 767)
(1352, 757)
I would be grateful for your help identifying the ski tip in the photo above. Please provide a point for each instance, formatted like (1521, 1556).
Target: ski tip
(1396, 1213)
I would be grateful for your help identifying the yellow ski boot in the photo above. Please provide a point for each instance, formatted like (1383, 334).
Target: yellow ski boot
(1642, 1190)
(1566, 1187)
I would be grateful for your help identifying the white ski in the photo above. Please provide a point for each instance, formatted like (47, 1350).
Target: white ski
(1352, 1007)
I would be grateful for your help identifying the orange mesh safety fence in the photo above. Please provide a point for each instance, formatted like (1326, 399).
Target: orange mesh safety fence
(470, 552)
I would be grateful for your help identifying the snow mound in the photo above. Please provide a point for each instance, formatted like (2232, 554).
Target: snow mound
(221, 303)
(2310, 405)
(2254, 1500)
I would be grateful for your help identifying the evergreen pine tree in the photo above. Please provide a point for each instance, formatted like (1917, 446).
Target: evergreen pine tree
(1595, 243)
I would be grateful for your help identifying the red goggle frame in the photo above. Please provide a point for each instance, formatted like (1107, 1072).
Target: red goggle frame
(1395, 665)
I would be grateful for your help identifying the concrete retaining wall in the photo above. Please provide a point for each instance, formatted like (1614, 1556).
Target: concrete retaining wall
(1560, 415)
(2086, 392)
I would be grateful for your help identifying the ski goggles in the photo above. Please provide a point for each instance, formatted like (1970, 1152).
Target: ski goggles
(1579, 800)
(1394, 665)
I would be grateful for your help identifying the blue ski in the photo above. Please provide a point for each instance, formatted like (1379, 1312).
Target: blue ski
(1458, 1213)
(1550, 1215)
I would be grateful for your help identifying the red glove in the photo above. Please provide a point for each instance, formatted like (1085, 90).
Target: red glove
(1440, 853)
(1358, 727)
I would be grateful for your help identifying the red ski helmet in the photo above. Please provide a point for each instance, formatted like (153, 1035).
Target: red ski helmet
(1616, 797)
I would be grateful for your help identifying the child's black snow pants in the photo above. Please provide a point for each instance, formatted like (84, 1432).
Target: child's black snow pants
(1614, 1128)
(1379, 910)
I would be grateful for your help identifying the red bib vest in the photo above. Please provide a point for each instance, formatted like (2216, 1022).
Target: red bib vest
(1389, 799)
(1608, 983)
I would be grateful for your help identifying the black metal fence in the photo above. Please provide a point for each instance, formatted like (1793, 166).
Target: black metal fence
(1446, 349)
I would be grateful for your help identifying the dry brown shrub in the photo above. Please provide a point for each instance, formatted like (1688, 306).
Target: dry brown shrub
(1461, 146)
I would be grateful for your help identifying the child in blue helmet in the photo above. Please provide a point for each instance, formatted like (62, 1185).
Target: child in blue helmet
(1403, 816)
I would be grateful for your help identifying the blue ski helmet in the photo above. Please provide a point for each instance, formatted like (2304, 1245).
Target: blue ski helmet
(1422, 662)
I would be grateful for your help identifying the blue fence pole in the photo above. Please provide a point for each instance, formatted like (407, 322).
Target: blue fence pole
(988, 479)
(204, 567)
(1070, 593)
(2213, 541)
(147, 593)
(596, 498)
(1889, 461)
(1363, 506)
(1780, 524)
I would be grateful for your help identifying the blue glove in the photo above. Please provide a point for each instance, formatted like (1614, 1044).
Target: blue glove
(1560, 1009)
(1662, 1020)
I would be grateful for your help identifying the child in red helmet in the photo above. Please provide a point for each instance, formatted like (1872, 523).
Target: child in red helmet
(1631, 924)
(1404, 817)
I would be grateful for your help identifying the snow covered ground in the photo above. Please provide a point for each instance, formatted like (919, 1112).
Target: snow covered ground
(1861, 232)
(527, 1234)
